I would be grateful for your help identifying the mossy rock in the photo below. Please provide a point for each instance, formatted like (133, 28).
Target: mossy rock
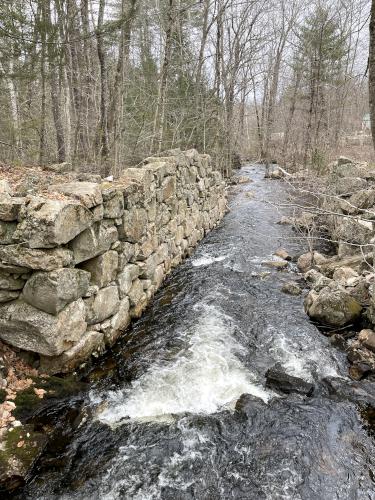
(19, 450)
(28, 403)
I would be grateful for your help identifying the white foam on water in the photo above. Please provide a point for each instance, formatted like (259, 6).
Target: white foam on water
(207, 260)
(205, 377)
(302, 356)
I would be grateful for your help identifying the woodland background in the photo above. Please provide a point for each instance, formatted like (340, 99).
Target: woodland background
(105, 83)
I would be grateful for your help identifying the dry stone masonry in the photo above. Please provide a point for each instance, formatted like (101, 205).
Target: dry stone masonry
(80, 261)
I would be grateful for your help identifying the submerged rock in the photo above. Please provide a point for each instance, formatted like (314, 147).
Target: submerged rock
(277, 379)
(291, 288)
(283, 254)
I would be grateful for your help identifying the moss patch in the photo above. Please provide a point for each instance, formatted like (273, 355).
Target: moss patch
(27, 402)
(20, 448)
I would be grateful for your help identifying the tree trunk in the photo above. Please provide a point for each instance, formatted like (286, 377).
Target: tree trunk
(103, 122)
(162, 94)
(371, 67)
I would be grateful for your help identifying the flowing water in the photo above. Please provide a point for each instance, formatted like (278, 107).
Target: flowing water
(181, 410)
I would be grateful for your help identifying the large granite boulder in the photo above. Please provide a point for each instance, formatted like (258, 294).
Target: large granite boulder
(31, 329)
(103, 269)
(90, 343)
(52, 291)
(94, 241)
(346, 186)
(332, 306)
(308, 260)
(102, 305)
(87, 193)
(353, 230)
(18, 258)
(49, 223)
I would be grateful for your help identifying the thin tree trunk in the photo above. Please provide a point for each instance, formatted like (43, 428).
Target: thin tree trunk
(162, 94)
(103, 122)
(371, 67)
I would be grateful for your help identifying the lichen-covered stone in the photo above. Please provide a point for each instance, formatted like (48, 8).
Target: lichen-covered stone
(87, 193)
(114, 206)
(94, 241)
(332, 306)
(136, 293)
(90, 342)
(31, 329)
(126, 278)
(103, 269)
(8, 295)
(102, 305)
(7, 230)
(11, 282)
(52, 291)
(10, 207)
(134, 225)
(48, 223)
(32, 258)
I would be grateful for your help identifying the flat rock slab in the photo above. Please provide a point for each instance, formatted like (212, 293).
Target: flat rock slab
(18, 257)
(87, 193)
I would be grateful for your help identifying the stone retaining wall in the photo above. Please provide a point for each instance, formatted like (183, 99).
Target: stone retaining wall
(78, 262)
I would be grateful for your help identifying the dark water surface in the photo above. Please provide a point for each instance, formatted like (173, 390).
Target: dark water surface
(166, 419)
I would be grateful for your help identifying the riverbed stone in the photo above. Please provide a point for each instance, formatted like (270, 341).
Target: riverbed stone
(332, 306)
(346, 186)
(31, 329)
(33, 258)
(49, 223)
(367, 338)
(94, 241)
(309, 260)
(103, 269)
(52, 291)
(102, 305)
(344, 274)
(87, 193)
(278, 379)
(291, 288)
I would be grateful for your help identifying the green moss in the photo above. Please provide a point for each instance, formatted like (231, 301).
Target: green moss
(20, 448)
(27, 402)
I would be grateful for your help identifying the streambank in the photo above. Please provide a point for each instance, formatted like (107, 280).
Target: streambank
(181, 408)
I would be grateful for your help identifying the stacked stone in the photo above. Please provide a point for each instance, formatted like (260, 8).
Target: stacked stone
(75, 270)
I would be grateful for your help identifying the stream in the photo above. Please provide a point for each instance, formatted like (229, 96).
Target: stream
(179, 409)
